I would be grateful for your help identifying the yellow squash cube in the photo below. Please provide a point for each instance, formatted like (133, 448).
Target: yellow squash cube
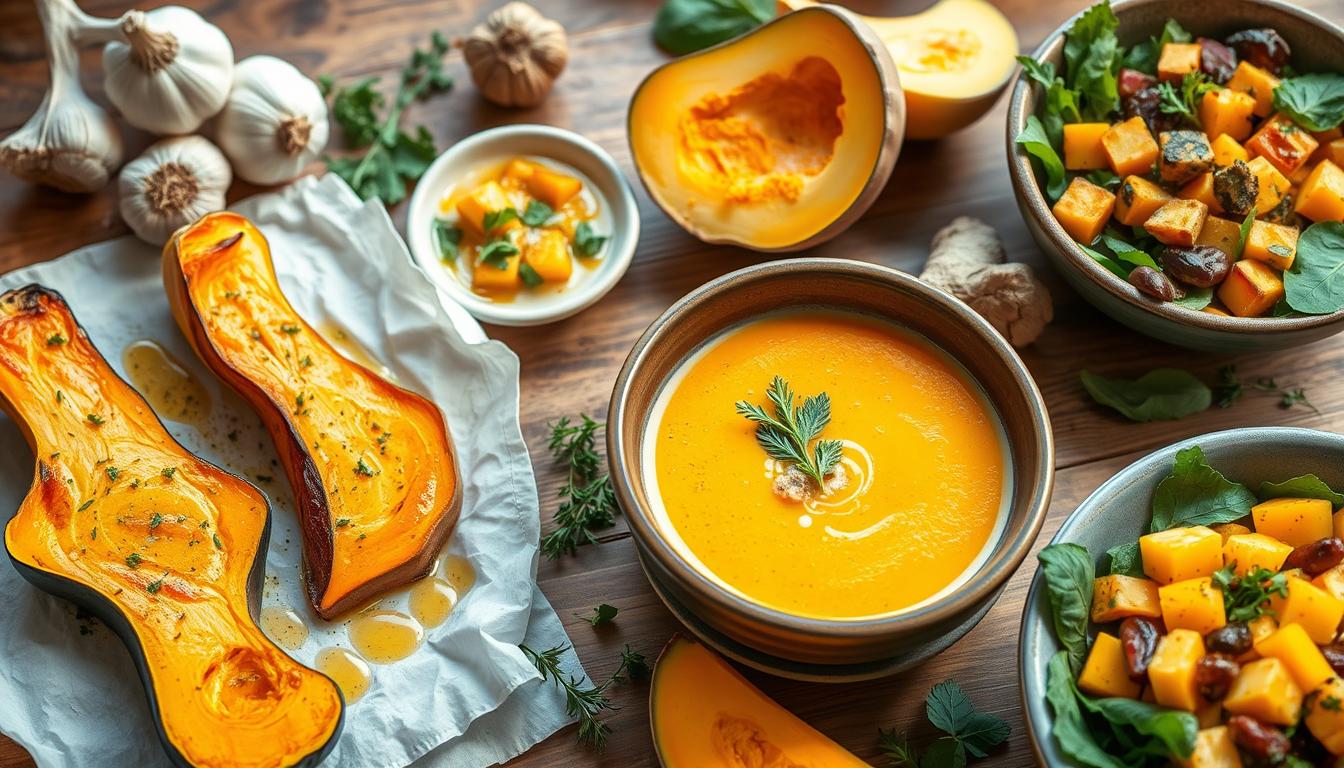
(1325, 715)
(1332, 581)
(490, 278)
(1251, 289)
(1310, 606)
(1294, 521)
(487, 198)
(1226, 113)
(1104, 674)
(1171, 673)
(549, 257)
(1266, 691)
(1118, 596)
(1227, 150)
(1333, 151)
(1273, 185)
(1083, 150)
(1291, 645)
(553, 188)
(1179, 554)
(1257, 83)
(1201, 188)
(1274, 244)
(1177, 60)
(1130, 147)
(1254, 550)
(1282, 143)
(1228, 530)
(519, 171)
(1213, 310)
(1178, 222)
(1214, 748)
(1192, 604)
(1322, 195)
(1261, 627)
(1084, 210)
(1137, 200)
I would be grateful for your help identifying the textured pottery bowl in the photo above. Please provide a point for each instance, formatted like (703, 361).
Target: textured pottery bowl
(1318, 46)
(772, 640)
(1119, 512)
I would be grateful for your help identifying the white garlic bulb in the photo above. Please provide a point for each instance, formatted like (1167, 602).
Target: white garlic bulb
(175, 182)
(171, 73)
(70, 143)
(274, 123)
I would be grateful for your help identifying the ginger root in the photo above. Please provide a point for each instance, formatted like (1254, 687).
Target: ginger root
(966, 259)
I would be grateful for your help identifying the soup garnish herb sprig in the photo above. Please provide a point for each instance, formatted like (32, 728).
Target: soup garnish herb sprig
(787, 436)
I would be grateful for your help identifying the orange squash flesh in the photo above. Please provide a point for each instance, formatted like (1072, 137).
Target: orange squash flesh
(371, 464)
(166, 548)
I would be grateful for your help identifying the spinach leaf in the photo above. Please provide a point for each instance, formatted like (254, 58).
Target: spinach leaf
(1144, 56)
(1302, 487)
(1068, 573)
(1126, 559)
(1072, 733)
(1173, 728)
(1091, 56)
(684, 26)
(1194, 298)
(1315, 283)
(1197, 494)
(1035, 141)
(1128, 253)
(1161, 394)
(1116, 268)
(1315, 101)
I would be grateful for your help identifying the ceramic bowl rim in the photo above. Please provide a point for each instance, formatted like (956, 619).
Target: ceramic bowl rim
(1022, 104)
(619, 197)
(982, 585)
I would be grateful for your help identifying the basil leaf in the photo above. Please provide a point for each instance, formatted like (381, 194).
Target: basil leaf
(537, 213)
(1068, 572)
(1314, 284)
(1302, 487)
(495, 219)
(1126, 559)
(446, 239)
(1071, 732)
(586, 242)
(1174, 730)
(496, 253)
(1315, 101)
(684, 26)
(1035, 141)
(1090, 57)
(1195, 298)
(531, 279)
(1159, 395)
(1197, 494)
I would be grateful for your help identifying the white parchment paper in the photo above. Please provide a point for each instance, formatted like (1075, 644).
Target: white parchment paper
(468, 696)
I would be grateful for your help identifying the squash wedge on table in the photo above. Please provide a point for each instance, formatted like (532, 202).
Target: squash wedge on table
(167, 549)
(374, 475)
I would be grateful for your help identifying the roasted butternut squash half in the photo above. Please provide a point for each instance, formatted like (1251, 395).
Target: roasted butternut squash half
(165, 548)
(374, 475)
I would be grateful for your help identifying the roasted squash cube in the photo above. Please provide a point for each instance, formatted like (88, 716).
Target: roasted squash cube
(518, 171)
(1251, 289)
(1282, 143)
(491, 277)
(1294, 521)
(1171, 673)
(1226, 112)
(1227, 150)
(549, 256)
(1212, 310)
(1322, 195)
(1137, 200)
(1105, 674)
(487, 198)
(1083, 150)
(1192, 604)
(1225, 236)
(1272, 185)
(1266, 691)
(1130, 147)
(1310, 606)
(1236, 187)
(1292, 645)
(1325, 715)
(1118, 596)
(1274, 244)
(1183, 155)
(1084, 209)
(1201, 188)
(1177, 222)
(1214, 748)
(1257, 83)
(1177, 60)
(551, 187)
(1178, 554)
(1254, 550)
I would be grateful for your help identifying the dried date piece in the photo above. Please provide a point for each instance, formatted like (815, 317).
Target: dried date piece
(1153, 283)
(1265, 48)
(1334, 656)
(1317, 557)
(1147, 104)
(1231, 639)
(1216, 60)
(1138, 638)
(1258, 740)
(1215, 674)
(1200, 266)
(1131, 81)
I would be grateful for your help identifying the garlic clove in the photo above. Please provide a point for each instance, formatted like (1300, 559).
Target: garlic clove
(515, 55)
(174, 182)
(274, 123)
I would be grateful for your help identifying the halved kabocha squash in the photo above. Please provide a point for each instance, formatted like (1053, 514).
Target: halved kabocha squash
(776, 140)
(954, 59)
(167, 549)
(372, 466)
(706, 715)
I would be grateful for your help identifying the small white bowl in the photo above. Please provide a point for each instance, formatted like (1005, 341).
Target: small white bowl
(500, 144)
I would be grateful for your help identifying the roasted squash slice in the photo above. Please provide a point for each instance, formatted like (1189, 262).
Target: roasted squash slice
(165, 548)
(372, 466)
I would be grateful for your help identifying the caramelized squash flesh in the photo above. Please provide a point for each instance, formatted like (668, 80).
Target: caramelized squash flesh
(166, 548)
(371, 464)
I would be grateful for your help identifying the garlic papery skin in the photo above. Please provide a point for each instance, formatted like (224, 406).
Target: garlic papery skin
(274, 123)
(175, 182)
(70, 143)
(170, 72)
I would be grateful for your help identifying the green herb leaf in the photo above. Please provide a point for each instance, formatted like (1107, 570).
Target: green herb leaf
(684, 26)
(95, 419)
(896, 748)
(1185, 101)
(537, 213)
(1197, 494)
(168, 472)
(1315, 101)
(1068, 572)
(1126, 559)
(1091, 60)
(1229, 389)
(446, 239)
(788, 434)
(155, 521)
(362, 468)
(218, 544)
(1246, 598)
(1037, 144)
(1144, 56)
(1161, 394)
(589, 501)
(586, 242)
(154, 586)
(949, 709)
(1174, 730)
(1059, 103)
(1245, 231)
(495, 219)
(1302, 487)
(1314, 284)
(602, 614)
(134, 559)
(1071, 732)
(529, 275)
(55, 340)
(1291, 397)
(496, 253)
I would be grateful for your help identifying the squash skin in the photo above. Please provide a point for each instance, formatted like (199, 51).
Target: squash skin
(352, 551)
(202, 718)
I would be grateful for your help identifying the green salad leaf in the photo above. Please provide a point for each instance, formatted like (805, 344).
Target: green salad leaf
(1194, 298)
(1059, 104)
(1115, 267)
(684, 26)
(1314, 285)
(1174, 729)
(1071, 732)
(1197, 494)
(1091, 61)
(1128, 253)
(1161, 394)
(1302, 487)
(1315, 101)
(1068, 573)
(1035, 141)
(1126, 559)
(1144, 56)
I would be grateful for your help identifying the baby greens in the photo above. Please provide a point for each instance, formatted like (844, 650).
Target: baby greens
(1302, 487)
(684, 26)
(1315, 283)
(1315, 101)
(1034, 140)
(1092, 60)
(1161, 394)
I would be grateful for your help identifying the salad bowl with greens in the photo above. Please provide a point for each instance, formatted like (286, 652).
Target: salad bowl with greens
(1182, 164)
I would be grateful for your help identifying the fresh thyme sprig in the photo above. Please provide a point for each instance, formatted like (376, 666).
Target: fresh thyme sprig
(588, 499)
(787, 435)
(584, 699)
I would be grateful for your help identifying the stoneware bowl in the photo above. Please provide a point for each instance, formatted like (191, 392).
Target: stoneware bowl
(1119, 512)
(771, 640)
(1318, 46)
(496, 146)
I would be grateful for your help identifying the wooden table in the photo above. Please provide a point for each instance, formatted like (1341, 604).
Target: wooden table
(570, 366)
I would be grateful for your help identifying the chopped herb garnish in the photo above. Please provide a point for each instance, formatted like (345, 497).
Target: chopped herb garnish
(55, 340)
(602, 614)
(446, 239)
(85, 505)
(168, 472)
(493, 220)
(231, 294)
(1292, 397)
(529, 276)
(1247, 597)
(537, 213)
(112, 472)
(95, 419)
(496, 253)
(306, 361)
(255, 334)
(153, 586)
(93, 534)
(362, 468)
(218, 544)
(155, 521)
(787, 436)
(586, 242)
(344, 521)
(361, 537)
(134, 559)
(290, 329)
(60, 396)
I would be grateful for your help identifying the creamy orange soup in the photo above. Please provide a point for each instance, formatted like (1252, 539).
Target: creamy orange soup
(924, 458)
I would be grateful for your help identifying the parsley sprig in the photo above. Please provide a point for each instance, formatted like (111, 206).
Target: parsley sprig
(1247, 597)
(1184, 100)
(965, 732)
(584, 699)
(788, 434)
(588, 499)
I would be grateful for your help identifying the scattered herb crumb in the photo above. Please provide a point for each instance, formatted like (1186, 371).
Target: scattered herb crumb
(218, 544)
(344, 521)
(289, 328)
(55, 340)
(155, 521)
(153, 586)
(95, 419)
(362, 468)
(168, 472)
(86, 505)
(112, 472)
(602, 614)
(134, 559)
